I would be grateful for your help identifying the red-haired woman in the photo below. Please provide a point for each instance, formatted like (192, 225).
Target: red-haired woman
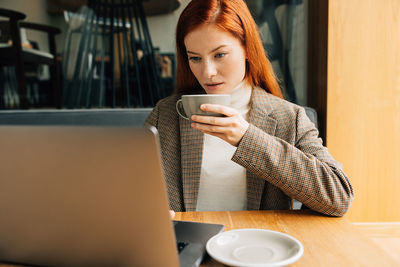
(265, 152)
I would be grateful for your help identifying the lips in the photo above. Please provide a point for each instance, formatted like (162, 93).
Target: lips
(213, 86)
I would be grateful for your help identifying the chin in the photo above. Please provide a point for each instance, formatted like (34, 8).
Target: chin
(221, 90)
(217, 92)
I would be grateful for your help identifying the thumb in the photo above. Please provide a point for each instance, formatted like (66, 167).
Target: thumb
(171, 214)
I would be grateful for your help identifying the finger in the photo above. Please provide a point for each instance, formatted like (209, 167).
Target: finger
(171, 214)
(227, 111)
(209, 128)
(221, 121)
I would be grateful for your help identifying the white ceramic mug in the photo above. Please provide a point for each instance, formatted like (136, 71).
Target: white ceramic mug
(189, 105)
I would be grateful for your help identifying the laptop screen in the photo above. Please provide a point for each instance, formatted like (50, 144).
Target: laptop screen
(83, 196)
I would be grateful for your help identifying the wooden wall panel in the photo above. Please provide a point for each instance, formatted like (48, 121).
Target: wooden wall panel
(363, 102)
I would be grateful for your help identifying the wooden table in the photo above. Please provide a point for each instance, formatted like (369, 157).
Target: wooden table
(327, 241)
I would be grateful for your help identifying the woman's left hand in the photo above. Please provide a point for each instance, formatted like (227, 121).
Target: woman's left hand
(230, 128)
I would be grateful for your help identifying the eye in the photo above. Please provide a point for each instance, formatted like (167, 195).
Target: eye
(220, 55)
(195, 59)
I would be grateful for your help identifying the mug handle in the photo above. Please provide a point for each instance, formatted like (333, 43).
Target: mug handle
(179, 109)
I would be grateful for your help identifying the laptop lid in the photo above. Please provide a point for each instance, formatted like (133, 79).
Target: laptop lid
(83, 196)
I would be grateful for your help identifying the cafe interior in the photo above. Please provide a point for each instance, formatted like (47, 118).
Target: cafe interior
(109, 62)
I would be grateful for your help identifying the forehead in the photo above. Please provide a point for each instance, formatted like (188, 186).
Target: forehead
(207, 37)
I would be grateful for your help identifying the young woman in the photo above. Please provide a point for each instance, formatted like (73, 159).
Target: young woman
(265, 152)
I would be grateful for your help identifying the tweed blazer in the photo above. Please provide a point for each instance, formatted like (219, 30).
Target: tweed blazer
(280, 150)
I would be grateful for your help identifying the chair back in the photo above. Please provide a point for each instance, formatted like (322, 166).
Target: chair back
(312, 115)
(17, 52)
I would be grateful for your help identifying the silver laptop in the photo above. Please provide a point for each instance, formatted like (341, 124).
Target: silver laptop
(89, 196)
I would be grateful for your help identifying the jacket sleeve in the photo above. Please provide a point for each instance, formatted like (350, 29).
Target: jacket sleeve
(304, 170)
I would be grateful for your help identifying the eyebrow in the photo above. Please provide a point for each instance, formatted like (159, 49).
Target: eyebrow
(190, 52)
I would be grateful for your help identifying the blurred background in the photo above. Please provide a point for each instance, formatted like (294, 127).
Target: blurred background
(133, 62)
(338, 57)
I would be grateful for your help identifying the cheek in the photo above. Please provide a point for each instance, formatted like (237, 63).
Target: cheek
(242, 67)
(237, 67)
(194, 68)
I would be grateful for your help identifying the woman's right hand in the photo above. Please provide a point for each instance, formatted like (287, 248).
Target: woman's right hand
(171, 214)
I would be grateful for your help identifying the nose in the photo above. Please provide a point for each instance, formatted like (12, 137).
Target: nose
(209, 69)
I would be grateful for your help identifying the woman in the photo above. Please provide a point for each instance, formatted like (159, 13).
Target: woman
(265, 151)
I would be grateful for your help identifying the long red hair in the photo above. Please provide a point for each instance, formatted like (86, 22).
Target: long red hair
(232, 16)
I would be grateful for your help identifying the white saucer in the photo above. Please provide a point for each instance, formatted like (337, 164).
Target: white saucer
(254, 248)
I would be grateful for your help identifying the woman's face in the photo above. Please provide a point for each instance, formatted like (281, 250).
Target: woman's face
(216, 58)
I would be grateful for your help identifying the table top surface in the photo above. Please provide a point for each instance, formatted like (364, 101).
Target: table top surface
(327, 241)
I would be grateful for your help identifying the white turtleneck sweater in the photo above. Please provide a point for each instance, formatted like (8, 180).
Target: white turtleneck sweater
(222, 181)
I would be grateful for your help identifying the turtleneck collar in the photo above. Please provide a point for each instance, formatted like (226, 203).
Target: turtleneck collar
(240, 97)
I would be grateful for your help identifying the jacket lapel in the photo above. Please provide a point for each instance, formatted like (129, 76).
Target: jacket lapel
(261, 117)
(191, 156)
